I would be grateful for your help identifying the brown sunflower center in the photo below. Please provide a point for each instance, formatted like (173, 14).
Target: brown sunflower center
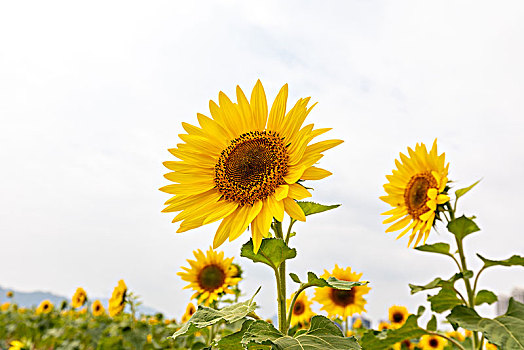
(252, 167)
(46, 306)
(343, 297)
(433, 343)
(398, 317)
(416, 193)
(97, 307)
(299, 308)
(211, 277)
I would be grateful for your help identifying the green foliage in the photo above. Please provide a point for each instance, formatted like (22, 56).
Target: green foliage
(485, 296)
(515, 260)
(314, 281)
(440, 283)
(322, 334)
(432, 324)
(439, 248)
(374, 340)
(310, 208)
(506, 331)
(444, 300)
(460, 192)
(233, 341)
(462, 226)
(272, 252)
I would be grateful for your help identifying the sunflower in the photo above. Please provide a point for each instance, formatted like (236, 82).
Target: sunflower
(79, 298)
(9, 294)
(190, 310)
(344, 303)
(405, 344)
(431, 342)
(384, 325)
(118, 299)
(97, 308)
(16, 345)
(242, 166)
(414, 190)
(5, 306)
(397, 316)
(490, 346)
(302, 312)
(357, 323)
(210, 275)
(45, 307)
(457, 335)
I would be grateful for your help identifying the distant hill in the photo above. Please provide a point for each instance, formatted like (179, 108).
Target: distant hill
(30, 299)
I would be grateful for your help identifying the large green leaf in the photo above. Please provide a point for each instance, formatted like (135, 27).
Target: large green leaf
(506, 331)
(485, 296)
(314, 281)
(310, 208)
(444, 300)
(322, 334)
(515, 260)
(460, 192)
(374, 340)
(440, 283)
(440, 248)
(205, 317)
(272, 252)
(462, 226)
(233, 341)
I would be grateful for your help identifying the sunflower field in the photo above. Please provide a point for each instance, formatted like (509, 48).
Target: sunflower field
(250, 166)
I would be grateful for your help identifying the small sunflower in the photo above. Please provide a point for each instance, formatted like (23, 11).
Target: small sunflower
(414, 190)
(384, 325)
(79, 298)
(302, 312)
(343, 303)
(9, 294)
(456, 335)
(242, 166)
(398, 316)
(97, 308)
(357, 323)
(17, 345)
(5, 306)
(431, 342)
(45, 307)
(490, 346)
(190, 310)
(403, 345)
(210, 275)
(118, 299)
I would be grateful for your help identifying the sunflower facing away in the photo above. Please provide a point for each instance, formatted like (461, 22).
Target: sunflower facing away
(79, 298)
(97, 308)
(45, 307)
(190, 310)
(302, 312)
(343, 303)
(432, 342)
(398, 316)
(242, 165)
(118, 299)
(414, 190)
(209, 276)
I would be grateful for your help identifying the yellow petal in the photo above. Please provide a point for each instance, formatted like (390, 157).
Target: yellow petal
(294, 210)
(259, 105)
(223, 229)
(294, 174)
(243, 220)
(399, 224)
(314, 173)
(281, 192)
(432, 193)
(276, 208)
(442, 198)
(298, 192)
(278, 110)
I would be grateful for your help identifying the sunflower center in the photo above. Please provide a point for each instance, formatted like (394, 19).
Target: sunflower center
(299, 308)
(252, 167)
(343, 297)
(97, 307)
(211, 277)
(433, 343)
(398, 317)
(46, 306)
(416, 193)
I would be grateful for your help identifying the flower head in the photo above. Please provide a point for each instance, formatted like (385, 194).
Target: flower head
(45, 307)
(414, 190)
(79, 298)
(384, 325)
(118, 299)
(357, 323)
(9, 294)
(302, 312)
(432, 342)
(190, 310)
(242, 165)
(398, 316)
(17, 345)
(338, 302)
(405, 344)
(5, 306)
(97, 308)
(456, 335)
(210, 275)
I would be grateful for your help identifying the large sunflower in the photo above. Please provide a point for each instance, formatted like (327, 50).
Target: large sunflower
(432, 342)
(343, 303)
(210, 275)
(79, 298)
(118, 299)
(302, 312)
(398, 316)
(415, 189)
(243, 165)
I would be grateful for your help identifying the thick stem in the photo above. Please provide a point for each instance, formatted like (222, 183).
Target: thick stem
(281, 285)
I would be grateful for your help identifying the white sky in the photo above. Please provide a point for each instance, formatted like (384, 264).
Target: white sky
(92, 95)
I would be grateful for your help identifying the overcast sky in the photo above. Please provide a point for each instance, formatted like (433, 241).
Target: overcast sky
(93, 94)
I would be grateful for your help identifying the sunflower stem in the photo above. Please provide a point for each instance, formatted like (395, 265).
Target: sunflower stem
(456, 343)
(280, 275)
(346, 327)
(294, 300)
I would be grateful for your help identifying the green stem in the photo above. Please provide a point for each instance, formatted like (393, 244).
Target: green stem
(288, 234)
(457, 344)
(280, 275)
(477, 279)
(294, 300)
(346, 327)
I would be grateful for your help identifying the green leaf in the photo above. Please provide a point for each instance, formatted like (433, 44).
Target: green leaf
(506, 331)
(444, 300)
(374, 340)
(440, 248)
(314, 281)
(295, 278)
(432, 324)
(485, 296)
(460, 192)
(272, 252)
(440, 283)
(233, 341)
(515, 260)
(322, 334)
(310, 208)
(462, 226)
(206, 316)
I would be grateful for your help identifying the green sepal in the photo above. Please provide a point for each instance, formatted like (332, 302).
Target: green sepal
(295, 277)
(462, 226)
(506, 331)
(460, 192)
(375, 340)
(272, 252)
(310, 208)
(485, 296)
(515, 260)
(439, 248)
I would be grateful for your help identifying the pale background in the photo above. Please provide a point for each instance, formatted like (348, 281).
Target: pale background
(93, 94)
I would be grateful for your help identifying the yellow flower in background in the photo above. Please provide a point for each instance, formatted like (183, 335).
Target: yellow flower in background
(398, 316)
(405, 344)
(16, 345)
(468, 333)
(302, 312)
(79, 298)
(490, 346)
(432, 342)
(149, 338)
(343, 303)
(209, 275)
(242, 166)
(97, 308)
(357, 324)
(118, 299)
(5, 306)
(9, 294)
(384, 325)
(414, 190)
(456, 335)
(45, 307)
(190, 310)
